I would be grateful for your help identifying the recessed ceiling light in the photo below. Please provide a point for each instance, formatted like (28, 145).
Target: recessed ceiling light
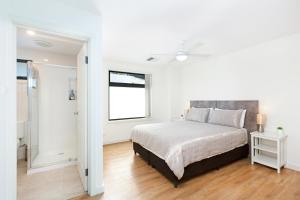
(31, 33)
(43, 43)
(45, 60)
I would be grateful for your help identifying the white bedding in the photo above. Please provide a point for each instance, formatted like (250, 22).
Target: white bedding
(184, 142)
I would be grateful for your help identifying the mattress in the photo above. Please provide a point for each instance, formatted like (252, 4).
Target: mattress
(184, 142)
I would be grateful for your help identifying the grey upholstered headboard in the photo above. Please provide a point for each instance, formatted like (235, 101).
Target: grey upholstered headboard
(251, 106)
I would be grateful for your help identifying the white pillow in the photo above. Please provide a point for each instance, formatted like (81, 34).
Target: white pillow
(242, 120)
(226, 117)
(197, 114)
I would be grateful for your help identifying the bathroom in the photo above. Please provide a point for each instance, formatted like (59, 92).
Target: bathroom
(51, 115)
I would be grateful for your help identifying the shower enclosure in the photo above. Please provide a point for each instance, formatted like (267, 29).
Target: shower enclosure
(52, 115)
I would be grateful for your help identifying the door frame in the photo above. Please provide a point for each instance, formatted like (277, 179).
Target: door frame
(94, 139)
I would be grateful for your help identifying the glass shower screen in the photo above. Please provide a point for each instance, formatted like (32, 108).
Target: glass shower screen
(33, 123)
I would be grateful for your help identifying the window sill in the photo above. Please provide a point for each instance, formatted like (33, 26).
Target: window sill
(128, 120)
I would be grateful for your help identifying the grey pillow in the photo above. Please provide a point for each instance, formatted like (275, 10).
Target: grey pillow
(197, 114)
(225, 117)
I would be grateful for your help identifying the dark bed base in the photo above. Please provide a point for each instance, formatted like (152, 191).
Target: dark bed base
(193, 169)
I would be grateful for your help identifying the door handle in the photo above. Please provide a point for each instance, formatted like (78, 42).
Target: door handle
(76, 113)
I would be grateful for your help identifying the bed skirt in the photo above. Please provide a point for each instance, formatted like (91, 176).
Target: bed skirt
(193, 169)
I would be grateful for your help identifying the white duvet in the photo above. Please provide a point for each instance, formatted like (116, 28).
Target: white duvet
(184, 142)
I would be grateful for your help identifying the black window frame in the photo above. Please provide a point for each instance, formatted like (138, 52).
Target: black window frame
(22, 61)
(132, 85)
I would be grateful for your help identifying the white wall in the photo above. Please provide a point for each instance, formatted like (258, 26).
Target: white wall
(22, 102)
(269, 72)
(8, 116)
(53, 58)
(117, 131)
(175, 89)
(22, 116)
(58, 18)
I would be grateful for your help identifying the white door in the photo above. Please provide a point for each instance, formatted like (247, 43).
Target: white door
(82, 114)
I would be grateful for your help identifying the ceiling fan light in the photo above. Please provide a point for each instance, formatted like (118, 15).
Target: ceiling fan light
(181, 57)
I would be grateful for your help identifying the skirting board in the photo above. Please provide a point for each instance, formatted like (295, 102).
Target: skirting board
(292, 166)
(49, 168)
(116, 141)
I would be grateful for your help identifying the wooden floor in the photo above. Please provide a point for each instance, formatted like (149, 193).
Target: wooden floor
(129, 177)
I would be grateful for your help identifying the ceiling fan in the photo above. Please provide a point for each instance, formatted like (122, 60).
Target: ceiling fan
(182, 54)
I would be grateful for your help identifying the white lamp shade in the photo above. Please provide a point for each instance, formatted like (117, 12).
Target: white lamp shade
(260, 119)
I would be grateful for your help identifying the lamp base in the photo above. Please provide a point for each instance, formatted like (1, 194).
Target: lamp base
(260, 128)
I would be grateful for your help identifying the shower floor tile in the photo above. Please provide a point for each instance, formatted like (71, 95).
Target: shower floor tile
(58, 184)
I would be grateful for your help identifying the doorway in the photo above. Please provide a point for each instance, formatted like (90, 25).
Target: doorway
(52, 115)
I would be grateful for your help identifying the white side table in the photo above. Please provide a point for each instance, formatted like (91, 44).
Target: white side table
(268, 149)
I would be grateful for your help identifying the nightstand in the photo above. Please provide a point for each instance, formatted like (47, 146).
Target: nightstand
(268, 149)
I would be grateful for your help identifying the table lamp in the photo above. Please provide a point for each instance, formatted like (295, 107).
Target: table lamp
(260, 122)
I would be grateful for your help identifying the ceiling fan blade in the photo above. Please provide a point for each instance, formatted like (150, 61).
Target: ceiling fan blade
(164, 54)
(199, 55)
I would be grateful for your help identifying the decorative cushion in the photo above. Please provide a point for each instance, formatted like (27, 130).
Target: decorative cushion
(226, 117)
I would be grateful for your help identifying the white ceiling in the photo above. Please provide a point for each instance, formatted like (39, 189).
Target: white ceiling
(135, 29)
(59, 44)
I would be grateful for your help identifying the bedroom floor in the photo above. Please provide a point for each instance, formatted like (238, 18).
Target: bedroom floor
(129, 177)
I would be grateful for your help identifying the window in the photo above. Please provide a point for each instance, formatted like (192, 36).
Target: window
(129, 95)
(22, 69)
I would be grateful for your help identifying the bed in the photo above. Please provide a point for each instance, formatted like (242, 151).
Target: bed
(181, 150)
